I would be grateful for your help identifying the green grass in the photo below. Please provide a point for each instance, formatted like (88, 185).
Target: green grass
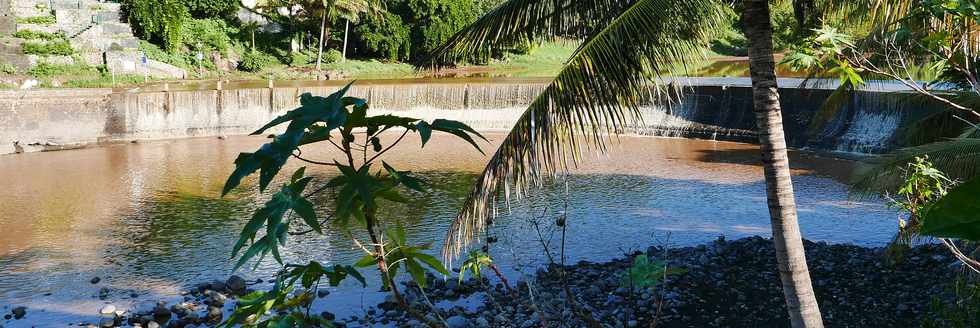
(37, 35)
(544, 61)
(59, 47)
(38, 20)
(371, 69)
(104, 81)
(53, 70)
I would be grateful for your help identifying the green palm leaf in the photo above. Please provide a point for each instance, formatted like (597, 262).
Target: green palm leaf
(518, 19)
(957, 158)
(597, 93)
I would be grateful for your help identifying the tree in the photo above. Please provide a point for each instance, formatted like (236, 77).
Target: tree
(349, 10)
(938, 38)
(340, 121)
(630, 47)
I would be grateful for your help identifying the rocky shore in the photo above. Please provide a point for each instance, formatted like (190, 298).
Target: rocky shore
(719, 284)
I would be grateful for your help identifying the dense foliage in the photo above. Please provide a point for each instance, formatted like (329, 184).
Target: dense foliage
(410, 29)
(254, 61)
(211, 8)
(160, 21)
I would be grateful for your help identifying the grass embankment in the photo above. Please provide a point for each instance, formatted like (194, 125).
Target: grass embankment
(545, 60)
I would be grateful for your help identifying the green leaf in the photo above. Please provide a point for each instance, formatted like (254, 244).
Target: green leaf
(460, 130)
(431, 262)
(957, 215)
(298, 174)
(304, 208)
(366, 261)
(270, 157)
(416, 271)
(392, 195)
(403, 177)
(425, 131)
(356, 274)
(255, 249)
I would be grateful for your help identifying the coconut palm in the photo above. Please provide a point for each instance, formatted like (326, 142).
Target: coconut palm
(349, 10)
(630, 49)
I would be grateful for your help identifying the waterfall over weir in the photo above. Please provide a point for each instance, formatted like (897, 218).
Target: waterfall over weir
(719, 109)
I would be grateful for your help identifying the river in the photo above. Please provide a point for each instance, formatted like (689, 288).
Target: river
(148, 220)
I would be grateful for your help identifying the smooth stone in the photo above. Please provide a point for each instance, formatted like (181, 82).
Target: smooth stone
(108, 310)
(214, 314)
(95, 280)
(236, 284)
(152, 324)
(322, 293)
(19, 312)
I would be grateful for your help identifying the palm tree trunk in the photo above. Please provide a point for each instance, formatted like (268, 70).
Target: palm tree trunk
(793, 272)
(346, 28)
(323, 33)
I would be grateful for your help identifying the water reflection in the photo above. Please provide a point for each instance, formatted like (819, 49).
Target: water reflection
(149, 221)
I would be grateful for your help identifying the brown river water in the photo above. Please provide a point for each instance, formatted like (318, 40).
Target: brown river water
(148, 218)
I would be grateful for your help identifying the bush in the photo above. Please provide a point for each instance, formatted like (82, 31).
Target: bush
(384, 37)
(254, 61)
(59, 48)
(38, 20)
(161, 21)
(415, 27)
(210, 8)
(152, 51)
(332, 56)
(299, 58)
(36, 35)
(211, 34)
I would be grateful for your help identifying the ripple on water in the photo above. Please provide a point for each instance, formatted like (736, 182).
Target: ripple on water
(148, 218)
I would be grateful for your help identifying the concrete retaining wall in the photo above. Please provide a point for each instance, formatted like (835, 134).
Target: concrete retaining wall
(38, 120)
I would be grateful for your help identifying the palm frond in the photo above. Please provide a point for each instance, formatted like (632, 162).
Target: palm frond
(517, 19)
(959, 158)
(597, 93)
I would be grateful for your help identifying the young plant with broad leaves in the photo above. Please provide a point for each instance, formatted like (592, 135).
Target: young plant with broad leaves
(340, 122)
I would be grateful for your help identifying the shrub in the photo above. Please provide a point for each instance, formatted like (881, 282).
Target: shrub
(158, 20)
(210, 8)
(384, 37)
(211, 34)
(415, 27)
(37, 35)
(358, 190)
(154, 52)
(254, 61)
(299, 58)
(332, 56)
(59, 48)
(38, 20)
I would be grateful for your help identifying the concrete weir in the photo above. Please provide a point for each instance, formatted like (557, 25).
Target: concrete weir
(711, 108)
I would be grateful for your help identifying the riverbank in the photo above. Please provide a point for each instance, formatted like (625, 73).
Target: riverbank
(719, 284)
